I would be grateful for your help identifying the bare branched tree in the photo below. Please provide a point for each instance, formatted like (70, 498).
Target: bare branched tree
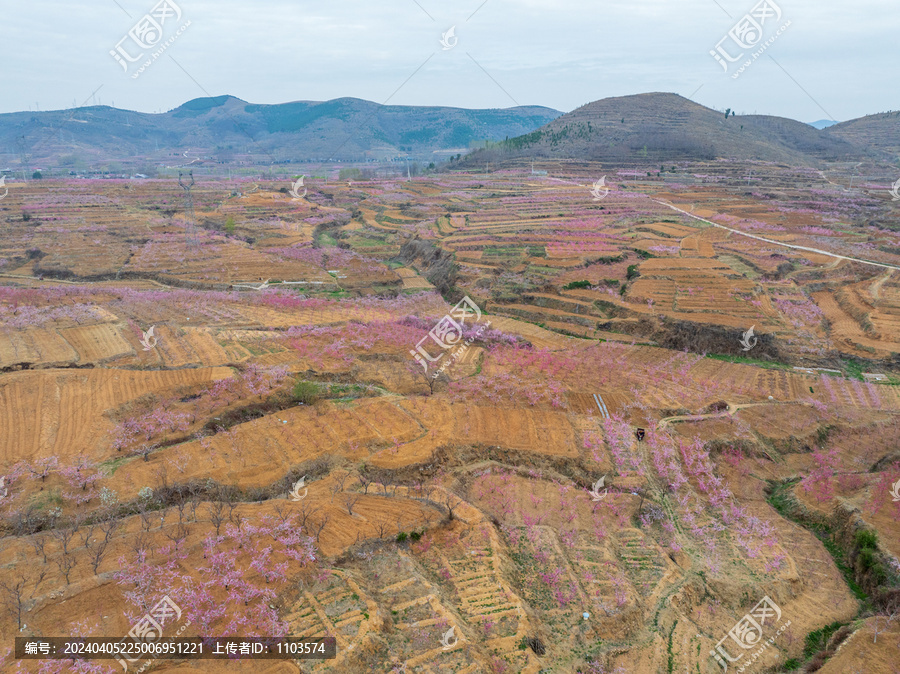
(162, 476)
(177, 534)
(382, 528)
(142, 542)
(17, 592)
(451, 502)
(305, 512)
(96, 550)
(217, 514)
(282, 514)
(66, 563)
(39, 543)
(86, 534)
(180, 505)
(63, 536)
(365, 481)
(430, 378)
(146, 515)
(193, 502)
(350, 500)
(320, 526)
(109, 527)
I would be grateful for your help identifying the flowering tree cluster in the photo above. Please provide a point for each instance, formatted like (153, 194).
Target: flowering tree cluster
(82, 477)
(232, 593)
(881, 494)
(328, 258)
(751, 532)
(820, 480)
(143, 430)
(620, 440)
(508, 388)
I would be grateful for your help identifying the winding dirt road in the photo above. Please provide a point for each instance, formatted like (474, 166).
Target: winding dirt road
(779, 243)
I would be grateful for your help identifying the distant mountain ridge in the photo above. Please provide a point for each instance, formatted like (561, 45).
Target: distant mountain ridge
(655, 127)
(224, 127)
(878, 133)
(662, 127)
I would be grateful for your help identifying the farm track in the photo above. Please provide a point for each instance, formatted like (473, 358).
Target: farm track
(781, 243)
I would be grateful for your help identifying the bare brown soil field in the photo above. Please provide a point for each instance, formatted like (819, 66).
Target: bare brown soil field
(61, 412)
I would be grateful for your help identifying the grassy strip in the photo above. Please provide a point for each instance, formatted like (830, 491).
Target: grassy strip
(854, 368)
(671, 661)
(743, 360)
(780, 497)
(784, 502)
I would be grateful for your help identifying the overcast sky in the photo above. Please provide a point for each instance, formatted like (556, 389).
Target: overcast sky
(837, 60)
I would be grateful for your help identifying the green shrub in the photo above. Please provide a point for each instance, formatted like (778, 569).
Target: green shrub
(401, 537)
(867, 557)
(866, 539)
(632, 272)
(306, 392)
(818, 640)
(574, 285)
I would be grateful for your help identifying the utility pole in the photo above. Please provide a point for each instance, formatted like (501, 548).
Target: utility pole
(191, 234)
(23, 155)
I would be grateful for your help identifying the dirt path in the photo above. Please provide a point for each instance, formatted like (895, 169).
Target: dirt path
(51, 281)
(779, 243)
(875, 288)
(732, 408)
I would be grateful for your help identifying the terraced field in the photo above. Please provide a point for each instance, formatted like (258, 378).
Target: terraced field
(321, 437)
